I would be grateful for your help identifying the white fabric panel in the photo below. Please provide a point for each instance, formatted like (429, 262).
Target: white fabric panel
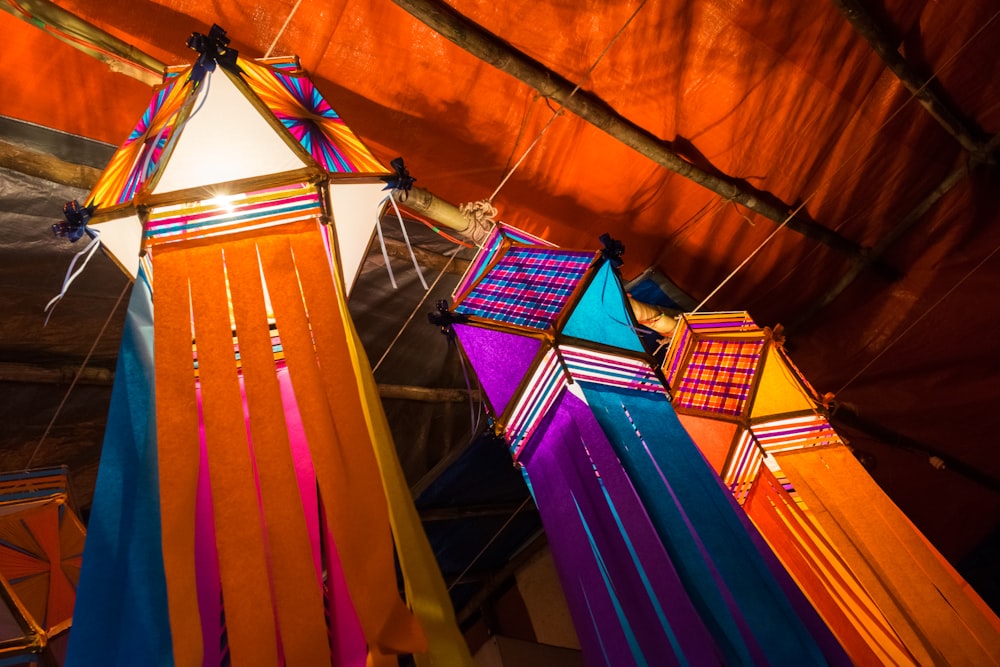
(121, 239)
(355, 209)
(225, 139)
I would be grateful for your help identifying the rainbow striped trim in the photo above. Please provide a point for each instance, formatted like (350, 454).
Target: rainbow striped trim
(233, 213)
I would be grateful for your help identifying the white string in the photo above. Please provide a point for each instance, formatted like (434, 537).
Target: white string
(917, 320)
(281, 31)
(406, 237)
(843, 164)
(414, 312)
(562, 105)
(76, 377)
(488, 544)
(87, 253)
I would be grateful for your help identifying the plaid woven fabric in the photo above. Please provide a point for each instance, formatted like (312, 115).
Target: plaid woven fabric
(719, 375)
(528, 287)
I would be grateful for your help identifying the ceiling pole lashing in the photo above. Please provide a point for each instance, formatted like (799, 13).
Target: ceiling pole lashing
(493, 50)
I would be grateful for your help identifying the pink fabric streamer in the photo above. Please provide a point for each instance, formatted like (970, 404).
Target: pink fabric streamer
(347, 641)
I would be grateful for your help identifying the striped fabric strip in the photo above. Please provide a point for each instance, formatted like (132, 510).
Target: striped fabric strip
(544, 389)
(33, 484)
(237, 213)
(795, 433)
(719, 375)
(742, 467)
(528, 287)
(587, 365)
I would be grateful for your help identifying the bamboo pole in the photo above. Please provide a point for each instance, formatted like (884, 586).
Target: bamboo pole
(495, 51)
(118, 55)
(969, 136)
(47, 167)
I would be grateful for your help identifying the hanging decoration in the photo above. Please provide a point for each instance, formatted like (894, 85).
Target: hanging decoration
(41, 544)
(889, 597)
(658, 563)
(257, 519)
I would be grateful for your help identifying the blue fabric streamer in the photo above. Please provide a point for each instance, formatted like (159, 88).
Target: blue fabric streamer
(724, 569)
(120, 618)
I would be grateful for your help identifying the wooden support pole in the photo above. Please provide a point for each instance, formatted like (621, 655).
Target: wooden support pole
(495, 51)
(118, 55)
(427, 394)
(427, 259)
(47, 167)
(499, 579)
(94, 375)
(922, 87)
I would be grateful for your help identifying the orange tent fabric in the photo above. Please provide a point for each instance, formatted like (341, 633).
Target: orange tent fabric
(783, 95)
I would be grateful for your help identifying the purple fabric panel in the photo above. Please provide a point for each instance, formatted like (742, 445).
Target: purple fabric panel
(563, 477)
(500, 360)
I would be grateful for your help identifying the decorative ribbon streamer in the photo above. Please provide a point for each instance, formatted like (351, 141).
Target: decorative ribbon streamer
(87, 254)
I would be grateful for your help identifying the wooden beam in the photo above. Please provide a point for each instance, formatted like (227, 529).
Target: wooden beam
(118, 55)
(843, 415)
(427, 259)
(505, 510)
(970, 137)
(495, 51)
(61, 374)
(47, 167)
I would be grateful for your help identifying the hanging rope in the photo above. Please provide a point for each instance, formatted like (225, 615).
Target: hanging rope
(558, 111)
(488, 544)
(76, 377)
(281, 31)
(843, 164)
(923, 315)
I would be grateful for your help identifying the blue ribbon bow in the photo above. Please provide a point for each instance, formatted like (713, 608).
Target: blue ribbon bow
(214, 49)
(401, 180)
(75, 223)
(613, 250)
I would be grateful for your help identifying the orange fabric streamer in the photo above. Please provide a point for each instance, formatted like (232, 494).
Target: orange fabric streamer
(938, 619)
(297, 594)
(823, 576)
(177, 452)
(338, 437)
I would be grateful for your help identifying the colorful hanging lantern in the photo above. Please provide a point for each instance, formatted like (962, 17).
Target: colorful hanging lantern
(765, 430)
(656, 560)
(41, 543)
(243, 207)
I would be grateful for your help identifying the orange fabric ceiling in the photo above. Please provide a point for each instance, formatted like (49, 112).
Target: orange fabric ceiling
(782, 94)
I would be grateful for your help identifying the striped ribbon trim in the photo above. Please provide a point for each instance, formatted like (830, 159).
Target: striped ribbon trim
(776, 436)
(230, 214)
(550, 378)
(33, 484)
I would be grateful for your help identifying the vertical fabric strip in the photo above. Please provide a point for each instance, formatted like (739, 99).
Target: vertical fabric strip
(177, 450)
(345, 466)
(297, 596)
(246, 590)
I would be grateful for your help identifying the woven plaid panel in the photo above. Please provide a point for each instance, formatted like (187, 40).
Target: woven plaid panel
(695, 326)
(719, 375)
(528, 287)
